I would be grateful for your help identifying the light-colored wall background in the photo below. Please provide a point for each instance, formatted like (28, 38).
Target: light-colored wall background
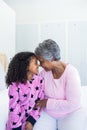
(70, 35)
(7, 30)
(65, 21)
(32, 11)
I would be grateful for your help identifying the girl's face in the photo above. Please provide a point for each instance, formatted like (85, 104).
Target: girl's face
(33, 66)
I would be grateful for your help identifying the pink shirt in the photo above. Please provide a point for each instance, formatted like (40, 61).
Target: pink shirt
(64, 94)
(22, 98)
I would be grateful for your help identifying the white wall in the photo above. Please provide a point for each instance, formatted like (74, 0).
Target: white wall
(27, 36)
(65, 21)
(7, 30)
(32, 11)
(70, 35)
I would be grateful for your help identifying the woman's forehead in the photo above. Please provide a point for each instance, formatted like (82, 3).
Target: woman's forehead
(40, 58)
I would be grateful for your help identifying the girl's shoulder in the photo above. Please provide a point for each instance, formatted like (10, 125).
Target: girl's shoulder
(37, 77)
(14, 85)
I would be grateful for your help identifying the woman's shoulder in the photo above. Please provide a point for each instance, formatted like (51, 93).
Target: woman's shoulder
(71, 69)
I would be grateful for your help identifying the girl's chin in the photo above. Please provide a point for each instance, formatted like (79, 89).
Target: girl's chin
(37, 72)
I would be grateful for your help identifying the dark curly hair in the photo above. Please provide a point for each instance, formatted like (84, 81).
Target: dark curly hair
(17, 69)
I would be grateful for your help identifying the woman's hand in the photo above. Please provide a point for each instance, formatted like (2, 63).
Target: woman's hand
(28, 126)
(41, 104)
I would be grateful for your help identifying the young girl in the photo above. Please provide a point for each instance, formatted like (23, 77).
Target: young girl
(25, 89)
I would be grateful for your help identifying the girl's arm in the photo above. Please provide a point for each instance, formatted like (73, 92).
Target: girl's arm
(35, 113)
(15, 114)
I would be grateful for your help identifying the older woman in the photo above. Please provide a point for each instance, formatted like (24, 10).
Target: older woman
(62, 86)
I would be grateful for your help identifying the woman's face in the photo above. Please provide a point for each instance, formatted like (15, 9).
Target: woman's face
(47, 65)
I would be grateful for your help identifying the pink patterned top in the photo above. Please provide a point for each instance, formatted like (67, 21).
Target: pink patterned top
(22, 99)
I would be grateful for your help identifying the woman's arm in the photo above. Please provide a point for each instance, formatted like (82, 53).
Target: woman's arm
(72, 100)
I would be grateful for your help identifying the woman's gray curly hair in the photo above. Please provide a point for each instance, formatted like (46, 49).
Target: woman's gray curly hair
(49, 50)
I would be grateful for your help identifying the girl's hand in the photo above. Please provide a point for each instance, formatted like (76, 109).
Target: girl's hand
(41, 104)
(28, 126)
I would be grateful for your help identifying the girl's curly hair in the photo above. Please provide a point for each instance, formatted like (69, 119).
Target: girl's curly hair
(17, 69)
